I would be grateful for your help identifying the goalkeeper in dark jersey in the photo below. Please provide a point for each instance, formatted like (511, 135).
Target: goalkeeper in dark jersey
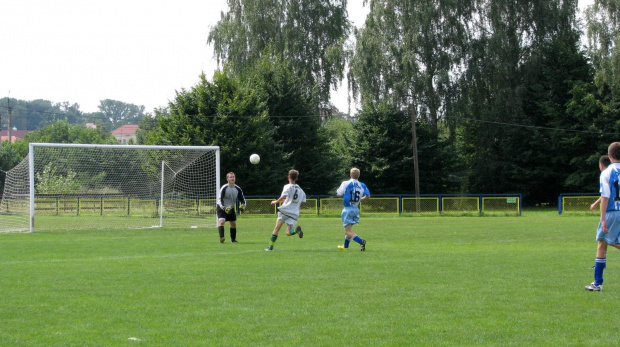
(226, 200)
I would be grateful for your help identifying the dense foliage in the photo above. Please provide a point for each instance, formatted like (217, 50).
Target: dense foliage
(505, 85)
(270, 113)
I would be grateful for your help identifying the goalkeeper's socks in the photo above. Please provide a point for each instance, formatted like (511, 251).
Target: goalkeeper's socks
(346, 242)
(293, 231)
(358, 239)
(599, 266)
(221, 231)
(272, 241)
(233, 234)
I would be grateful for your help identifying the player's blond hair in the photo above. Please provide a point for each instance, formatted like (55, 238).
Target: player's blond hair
(355, 173)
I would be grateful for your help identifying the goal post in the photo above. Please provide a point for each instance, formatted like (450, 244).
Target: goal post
(92, 186)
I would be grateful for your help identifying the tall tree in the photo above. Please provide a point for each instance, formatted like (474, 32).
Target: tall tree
(310, 34)
(603, 31)
(388, 164)
(409, 53)
(341, 135)
(117, 113)
(523, 67)
(292, 109)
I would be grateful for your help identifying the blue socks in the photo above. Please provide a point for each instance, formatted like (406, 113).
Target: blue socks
(346, 242)
(356, 239)
(599, 266)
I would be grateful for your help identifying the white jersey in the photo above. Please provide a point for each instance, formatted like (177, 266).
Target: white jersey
(295, 196)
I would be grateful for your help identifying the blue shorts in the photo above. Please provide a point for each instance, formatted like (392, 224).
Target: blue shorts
(350, 215)
(613, 225)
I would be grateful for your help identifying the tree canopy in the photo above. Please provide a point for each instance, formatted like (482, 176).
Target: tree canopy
(309, 34)
(269, 113)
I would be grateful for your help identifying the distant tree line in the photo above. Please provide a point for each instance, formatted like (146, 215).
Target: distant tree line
(12, 154)
(38, 114)
(60, 123)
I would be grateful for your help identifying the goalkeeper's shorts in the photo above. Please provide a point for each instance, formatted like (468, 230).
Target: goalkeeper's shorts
(229, 217)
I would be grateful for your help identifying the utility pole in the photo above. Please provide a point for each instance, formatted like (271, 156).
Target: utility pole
(10, 113)
(414, 145)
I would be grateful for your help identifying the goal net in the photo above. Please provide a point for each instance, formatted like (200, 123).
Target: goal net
(78, 186)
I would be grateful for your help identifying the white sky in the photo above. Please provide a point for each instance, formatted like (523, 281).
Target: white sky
(138, 52)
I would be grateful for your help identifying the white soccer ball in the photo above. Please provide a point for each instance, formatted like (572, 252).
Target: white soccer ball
(254, 158)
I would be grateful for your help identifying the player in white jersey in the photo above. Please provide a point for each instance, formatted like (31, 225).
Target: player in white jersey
(290, 202)
(226, 200)
(608, 232)
(352, 192)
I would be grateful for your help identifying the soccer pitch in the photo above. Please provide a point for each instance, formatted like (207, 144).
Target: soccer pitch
(422, 281)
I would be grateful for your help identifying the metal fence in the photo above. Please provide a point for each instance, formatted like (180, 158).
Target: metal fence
(577, 203)
(396, 205)
(509, 204)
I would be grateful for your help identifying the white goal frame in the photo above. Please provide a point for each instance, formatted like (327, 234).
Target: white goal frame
(31, 166)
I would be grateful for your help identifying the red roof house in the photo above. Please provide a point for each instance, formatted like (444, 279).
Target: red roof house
(126, 132)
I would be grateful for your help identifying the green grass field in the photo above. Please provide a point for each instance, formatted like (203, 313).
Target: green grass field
(428, 281)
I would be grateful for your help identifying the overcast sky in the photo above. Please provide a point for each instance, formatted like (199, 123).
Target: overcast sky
(138, 52)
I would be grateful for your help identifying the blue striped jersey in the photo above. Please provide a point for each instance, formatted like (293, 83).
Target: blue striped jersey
(610, 186)
(351, 192)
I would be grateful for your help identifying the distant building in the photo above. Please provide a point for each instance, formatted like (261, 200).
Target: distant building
(91, 125)
(15, 135)
(125, 133)
(4, 138)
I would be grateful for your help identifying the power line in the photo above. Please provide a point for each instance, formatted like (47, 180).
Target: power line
(535, 126)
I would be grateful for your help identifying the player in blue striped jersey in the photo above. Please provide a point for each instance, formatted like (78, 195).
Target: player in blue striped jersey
(352, 192)
(608, 232)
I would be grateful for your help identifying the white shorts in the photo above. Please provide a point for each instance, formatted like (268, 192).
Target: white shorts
(290, 220)
(613, 225)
